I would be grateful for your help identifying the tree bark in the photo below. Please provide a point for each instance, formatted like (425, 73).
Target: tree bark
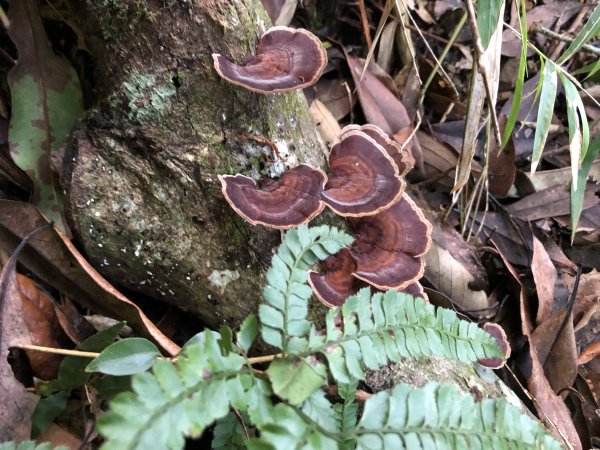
(140, 170)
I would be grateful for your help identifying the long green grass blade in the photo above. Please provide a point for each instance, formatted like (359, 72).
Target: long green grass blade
(589, 30)
(578, 191)
(518, 94)
(547, 97)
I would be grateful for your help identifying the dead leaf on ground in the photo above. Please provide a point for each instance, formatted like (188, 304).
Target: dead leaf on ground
(44, 328)
(454, 269)
(327, 126)
(551, 408)
(336, 94)
(17, 403)
(59, 436)
(55, 260)
(544, 275)
(549, 203)
(557, 353)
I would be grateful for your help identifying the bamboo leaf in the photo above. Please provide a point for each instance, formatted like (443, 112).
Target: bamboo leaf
(488, 14)
(549, 81)
(589, 30)
(579, 133)
(518, 94)
(578, 191)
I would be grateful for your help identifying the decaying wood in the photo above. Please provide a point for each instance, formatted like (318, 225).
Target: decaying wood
(141, 169)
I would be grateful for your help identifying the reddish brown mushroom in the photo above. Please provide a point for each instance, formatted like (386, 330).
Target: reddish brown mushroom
(363, 179)
(499, 335)
(337, 284)
(286, 202)
(402, 158)
(388, 246)
(286, 59)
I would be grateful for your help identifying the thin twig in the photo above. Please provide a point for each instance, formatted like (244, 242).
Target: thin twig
(364, 20)
(551, 34)
(56, 351)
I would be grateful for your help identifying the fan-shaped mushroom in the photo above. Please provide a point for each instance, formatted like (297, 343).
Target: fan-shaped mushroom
(499, 335)
(363, 179)
(388, 246)
(402, 158)
(286, 59)
(337, 284)
(286, 202)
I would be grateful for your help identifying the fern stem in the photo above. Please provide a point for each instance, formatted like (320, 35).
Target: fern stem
(265, 358)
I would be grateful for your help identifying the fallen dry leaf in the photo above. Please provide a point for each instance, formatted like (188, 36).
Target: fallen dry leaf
(544, 275)
(55, 260)
(327, 126)
(551, 407)
(557, 353)
(454, 269)
(44, 328)
(549, 203)
(59, 436)
(17, 403)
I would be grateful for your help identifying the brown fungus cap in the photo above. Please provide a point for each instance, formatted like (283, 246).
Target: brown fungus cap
(402, 158)
(288, 201)
(286, 59)
(499, 335)
(363, 179)
(337, 284)
(388, 246)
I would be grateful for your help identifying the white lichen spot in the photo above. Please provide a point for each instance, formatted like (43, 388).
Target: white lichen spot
(100, 245)
(221, 278)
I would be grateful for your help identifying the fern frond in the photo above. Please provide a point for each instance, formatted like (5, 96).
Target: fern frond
(229, 434)
(347, 413)
(283, 316)
(291, 429)
(178, 399)
(438, 416)
(368, 332)
(30, 445)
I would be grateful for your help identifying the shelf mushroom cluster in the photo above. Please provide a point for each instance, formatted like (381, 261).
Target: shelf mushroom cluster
(364, 182)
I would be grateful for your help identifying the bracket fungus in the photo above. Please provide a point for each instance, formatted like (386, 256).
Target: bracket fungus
(499, 335)
(333, 287)
(388, 246)
(288, 201)
(286, 59)
(401, 157)
(363, 179)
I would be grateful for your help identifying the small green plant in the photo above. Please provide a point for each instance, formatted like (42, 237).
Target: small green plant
(214, 382)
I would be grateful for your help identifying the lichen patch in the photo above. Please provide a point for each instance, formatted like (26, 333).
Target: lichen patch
(221, 278)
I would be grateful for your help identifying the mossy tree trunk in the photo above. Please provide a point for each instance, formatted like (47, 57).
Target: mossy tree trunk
(140, 171)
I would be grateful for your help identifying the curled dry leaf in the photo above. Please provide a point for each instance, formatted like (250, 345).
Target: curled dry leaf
(54, 259)
(453, 268)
